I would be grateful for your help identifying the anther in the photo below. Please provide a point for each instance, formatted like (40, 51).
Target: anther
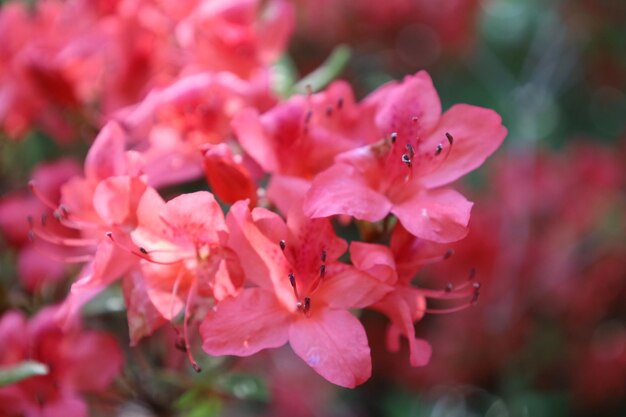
(407, 160)
(394, 137)
(282, 245)
(450, 138)
(476, 293)
(322, 270)
(323, 255)
(292, 280)
(329, 111)
(438, 149)
(448, 253)
(414, 119)
(143, 250)
(340, 103)
(449, 287)
(307, 305)
(409, 148)
(30, 220)
(308, 116)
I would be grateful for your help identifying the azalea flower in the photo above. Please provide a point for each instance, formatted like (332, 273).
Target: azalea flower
(404, 173)
(302, 296)
(78, 361)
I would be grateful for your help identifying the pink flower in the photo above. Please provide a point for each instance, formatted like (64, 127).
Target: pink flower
(418, 153)
(297, 139)
(301, 296)
(78, 361)
(185, 257)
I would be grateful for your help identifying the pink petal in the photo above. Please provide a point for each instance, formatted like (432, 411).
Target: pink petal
(283, 190)
(106, 155)
(341, 190)
(477, 133)
(262, 260)
(197, 216)
(143, 317)
(376, 260)
(397, 104)
(227, 176)
(66, 405)
(350, 288)
(253, 138)
(404, 307)
(245, 325)
(334, 344)
(439, 215)
(96, 361)
(116, 199)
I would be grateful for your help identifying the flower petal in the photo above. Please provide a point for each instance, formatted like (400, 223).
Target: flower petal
(477, 133)
(245, 325)
(439, 215)
(341, 190)
(334, 344)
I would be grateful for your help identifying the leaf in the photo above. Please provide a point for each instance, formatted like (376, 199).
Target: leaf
(20, 371)
(327, 72)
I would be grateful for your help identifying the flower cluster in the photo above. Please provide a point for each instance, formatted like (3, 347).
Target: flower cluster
(320, 204)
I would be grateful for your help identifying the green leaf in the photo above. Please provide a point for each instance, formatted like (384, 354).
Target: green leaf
(20, 371)
(327, 72)
(244, 387)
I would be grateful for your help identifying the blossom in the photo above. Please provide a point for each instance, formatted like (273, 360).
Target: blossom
(302, 295)
(78, 361)
(404, 173)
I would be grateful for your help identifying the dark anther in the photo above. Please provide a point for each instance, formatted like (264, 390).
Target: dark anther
(414, 119)
(109, 234)
(410, 150)
(450, 138)
(282, 245)
(196, 367)
(449, 287)
(307, 304)
(476, 292)
(448, 253)
(438, 149)
(407, 160)
(30, 220)
(323, 255)
(308, 116)
(329, 111)
(292, 279)
(394, 137)
(143, 250)
(340, 103)
(322, 270)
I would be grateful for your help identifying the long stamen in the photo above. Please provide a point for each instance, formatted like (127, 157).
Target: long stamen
(140, 252)
(41, 196)
(190, 296)
(59, 240)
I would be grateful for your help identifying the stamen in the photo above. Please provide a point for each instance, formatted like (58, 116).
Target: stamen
(323, 255)
(409, 148)
(340, 103)
(450, 138)
(307, 306)
(406, 159)
(35, 190)
(292, 281)
(139, 253)
(190, 296)
(329, 111)
(438, 149)
(394, 137)
(448, 254)
(143, 250)
(322, 270)
(282, 245)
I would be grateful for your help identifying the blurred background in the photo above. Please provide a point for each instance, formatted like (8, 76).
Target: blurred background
(548, 228)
